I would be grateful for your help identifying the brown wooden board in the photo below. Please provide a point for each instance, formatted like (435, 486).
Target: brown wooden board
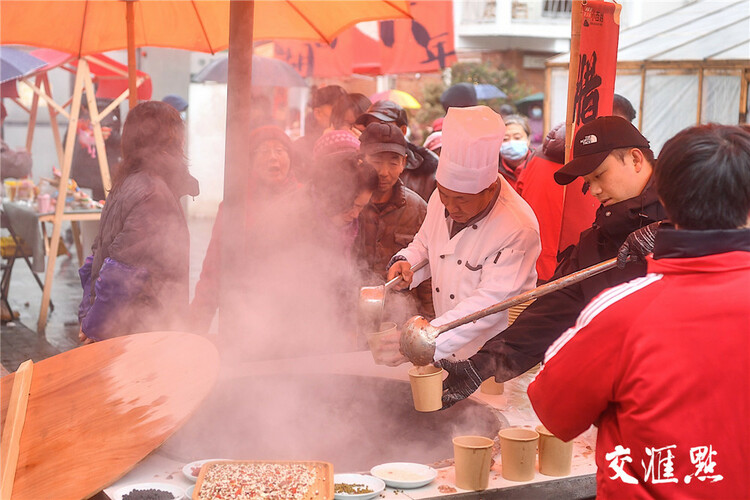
(94, 412)
(321, 489)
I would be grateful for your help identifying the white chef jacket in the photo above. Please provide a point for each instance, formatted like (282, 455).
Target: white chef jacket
(485, 263)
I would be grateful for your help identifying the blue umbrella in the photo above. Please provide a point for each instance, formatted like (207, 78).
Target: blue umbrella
(488, 91)
(15, 64)
(267, 72)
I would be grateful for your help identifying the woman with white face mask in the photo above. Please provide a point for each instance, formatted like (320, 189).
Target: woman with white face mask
(516, 148)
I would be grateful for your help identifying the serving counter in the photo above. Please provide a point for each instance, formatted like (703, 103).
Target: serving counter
(512, 408)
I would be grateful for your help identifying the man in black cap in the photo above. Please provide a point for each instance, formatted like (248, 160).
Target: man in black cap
(616, 163)
(421, 163)
(394, 214)
(460, 95)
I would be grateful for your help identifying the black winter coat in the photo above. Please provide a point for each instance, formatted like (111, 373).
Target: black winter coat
(141, 260)
(419, 174)
(523, 344)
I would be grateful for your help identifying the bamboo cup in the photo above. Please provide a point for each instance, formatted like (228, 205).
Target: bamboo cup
(518, 453)
(555, 455)
(472, 456)
(378, 341)
(491, 387)
(426, 387)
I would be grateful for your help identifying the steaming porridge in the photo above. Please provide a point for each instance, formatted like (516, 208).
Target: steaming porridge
(352, 421)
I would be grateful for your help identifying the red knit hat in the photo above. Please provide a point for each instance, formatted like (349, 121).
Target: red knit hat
(335, 141)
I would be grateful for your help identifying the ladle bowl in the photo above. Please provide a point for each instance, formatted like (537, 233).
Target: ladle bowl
(417, 341)
(372, 303)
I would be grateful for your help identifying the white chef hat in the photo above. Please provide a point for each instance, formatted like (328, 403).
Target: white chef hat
(471, 147)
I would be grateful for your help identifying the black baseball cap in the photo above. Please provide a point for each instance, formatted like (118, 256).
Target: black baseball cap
(460, 95)
(384, 111)
(380, 137)
(594, 141)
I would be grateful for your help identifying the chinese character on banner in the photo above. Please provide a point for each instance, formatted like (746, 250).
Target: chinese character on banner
(587, 90)
(617, 459)
(595, 80)
(660, 467)
(700, 457)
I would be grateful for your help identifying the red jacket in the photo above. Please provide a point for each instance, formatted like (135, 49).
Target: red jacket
(662, 366)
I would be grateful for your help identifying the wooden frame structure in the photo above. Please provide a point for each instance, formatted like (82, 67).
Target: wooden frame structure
(39, 84)
(699, 68)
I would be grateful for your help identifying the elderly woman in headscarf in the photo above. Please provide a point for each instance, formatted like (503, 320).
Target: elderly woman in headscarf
(137, 279)
(271, 177)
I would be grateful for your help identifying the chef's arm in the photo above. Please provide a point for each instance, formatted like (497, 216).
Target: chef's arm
(507, 273)
(522, 345)
(415, 253)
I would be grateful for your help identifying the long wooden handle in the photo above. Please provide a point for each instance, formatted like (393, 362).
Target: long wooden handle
(415, 268)
(550, 287)
(14, 420)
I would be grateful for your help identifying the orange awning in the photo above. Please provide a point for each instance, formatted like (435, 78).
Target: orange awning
(83, 27)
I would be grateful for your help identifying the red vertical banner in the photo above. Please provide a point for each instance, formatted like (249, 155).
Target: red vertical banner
(593, 66)
(597, 61)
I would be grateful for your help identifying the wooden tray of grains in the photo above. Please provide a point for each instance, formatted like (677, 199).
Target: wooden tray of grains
(256, 479)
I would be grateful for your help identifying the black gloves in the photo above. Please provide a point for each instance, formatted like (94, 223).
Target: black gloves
(638, 244)
(463, 379)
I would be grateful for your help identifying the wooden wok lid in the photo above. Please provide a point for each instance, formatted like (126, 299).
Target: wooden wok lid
(94, 412)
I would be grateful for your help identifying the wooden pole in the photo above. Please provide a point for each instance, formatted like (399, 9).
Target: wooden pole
(96, 125)
(233, 257)
(130, 18)
(547, 104)
(32, 117)
(699, 114)
(575, 48)
(13, 427)
(642, 100)
(744, 82)
(49, 272)
(50, 102)
(53, 121)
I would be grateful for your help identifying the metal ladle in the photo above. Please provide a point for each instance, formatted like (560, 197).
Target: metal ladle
(418, 336)
(372, 302)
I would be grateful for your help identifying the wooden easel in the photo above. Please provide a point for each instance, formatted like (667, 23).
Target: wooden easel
(42, 90)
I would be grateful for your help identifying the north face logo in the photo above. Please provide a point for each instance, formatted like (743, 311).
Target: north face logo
(589, 139)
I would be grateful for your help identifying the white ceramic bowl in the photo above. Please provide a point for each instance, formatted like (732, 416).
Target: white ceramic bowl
(375, 484)
(187, 470)
(404, 474)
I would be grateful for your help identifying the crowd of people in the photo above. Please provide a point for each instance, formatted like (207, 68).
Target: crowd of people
(639, 350)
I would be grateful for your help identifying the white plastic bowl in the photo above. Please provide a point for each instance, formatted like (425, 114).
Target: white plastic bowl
(404, 474)
(375, 484)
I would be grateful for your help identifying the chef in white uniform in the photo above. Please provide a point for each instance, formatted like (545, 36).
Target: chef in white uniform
(480, 237)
